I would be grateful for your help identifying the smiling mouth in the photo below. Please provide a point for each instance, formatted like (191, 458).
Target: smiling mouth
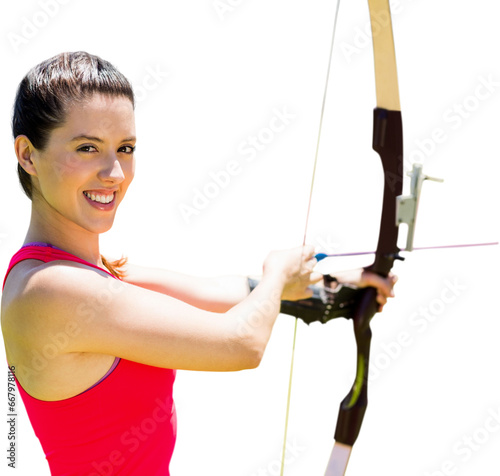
(100, 197)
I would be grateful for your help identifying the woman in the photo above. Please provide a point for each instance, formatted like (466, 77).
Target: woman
(92, 342)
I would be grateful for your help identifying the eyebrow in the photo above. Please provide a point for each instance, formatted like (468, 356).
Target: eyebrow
(97, 139)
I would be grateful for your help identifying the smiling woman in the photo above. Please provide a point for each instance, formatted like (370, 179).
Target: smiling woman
(93, 346)
(93, 362)
(48, 90)
(56, 157)
(74, 171)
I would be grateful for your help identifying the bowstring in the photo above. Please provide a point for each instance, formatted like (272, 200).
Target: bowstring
(320, 128)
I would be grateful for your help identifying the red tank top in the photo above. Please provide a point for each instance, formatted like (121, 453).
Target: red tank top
(124, 425)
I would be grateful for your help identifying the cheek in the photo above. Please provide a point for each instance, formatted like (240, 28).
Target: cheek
(65, 170)
(129, 170)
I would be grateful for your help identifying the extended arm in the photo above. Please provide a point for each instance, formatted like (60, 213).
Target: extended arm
(95, 313)
(218, 294)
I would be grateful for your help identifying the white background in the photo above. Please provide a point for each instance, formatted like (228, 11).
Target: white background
(228, 71)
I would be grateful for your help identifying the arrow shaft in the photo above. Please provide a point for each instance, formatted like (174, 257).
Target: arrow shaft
(321, 256)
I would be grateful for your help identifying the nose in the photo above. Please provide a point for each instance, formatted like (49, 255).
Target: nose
(113, 171)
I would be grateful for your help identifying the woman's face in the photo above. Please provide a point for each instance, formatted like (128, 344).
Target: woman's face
(83, 173)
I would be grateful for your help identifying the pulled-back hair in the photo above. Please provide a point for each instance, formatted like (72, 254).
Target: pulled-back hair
(48, 90)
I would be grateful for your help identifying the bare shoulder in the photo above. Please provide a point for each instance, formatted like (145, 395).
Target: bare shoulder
(37, 297)
(37, 286)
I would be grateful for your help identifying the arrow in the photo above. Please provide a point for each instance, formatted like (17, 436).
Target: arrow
(322, 256)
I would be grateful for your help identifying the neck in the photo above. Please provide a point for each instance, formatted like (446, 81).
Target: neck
(56, 230)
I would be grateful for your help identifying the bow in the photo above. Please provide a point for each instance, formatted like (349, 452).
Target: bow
(360, 304)
(388, 143)
(340, 300)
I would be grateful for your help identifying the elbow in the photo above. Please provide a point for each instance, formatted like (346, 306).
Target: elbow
(254, 359)
(248, 344)
(250, 353)
(255, 349)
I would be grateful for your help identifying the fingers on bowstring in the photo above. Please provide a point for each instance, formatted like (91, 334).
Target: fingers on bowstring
(308, 252)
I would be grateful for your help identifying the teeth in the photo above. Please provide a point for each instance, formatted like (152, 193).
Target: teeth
(100, 198)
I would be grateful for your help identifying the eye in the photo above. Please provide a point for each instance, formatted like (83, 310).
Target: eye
(127, 149)
(87, 148)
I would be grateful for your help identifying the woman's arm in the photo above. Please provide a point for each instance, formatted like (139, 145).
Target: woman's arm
(92, 312)
(218, 294)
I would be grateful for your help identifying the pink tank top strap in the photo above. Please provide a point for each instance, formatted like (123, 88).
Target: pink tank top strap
(46, 253)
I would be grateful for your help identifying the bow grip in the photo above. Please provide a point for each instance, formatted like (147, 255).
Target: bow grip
(352, 408)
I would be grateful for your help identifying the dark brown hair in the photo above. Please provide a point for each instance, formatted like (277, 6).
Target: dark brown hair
(50, 88)
(45, 95)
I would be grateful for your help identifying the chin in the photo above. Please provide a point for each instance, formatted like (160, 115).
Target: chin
(99, 227)
(104, 227)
